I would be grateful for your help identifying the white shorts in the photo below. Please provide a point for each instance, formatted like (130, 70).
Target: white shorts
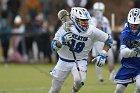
(63, 69)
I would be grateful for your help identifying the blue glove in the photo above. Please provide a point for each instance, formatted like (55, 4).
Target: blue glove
(66, 38)
(101, 58)
(55, 45)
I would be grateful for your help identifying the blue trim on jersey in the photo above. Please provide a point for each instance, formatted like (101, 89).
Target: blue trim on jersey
(67, 60)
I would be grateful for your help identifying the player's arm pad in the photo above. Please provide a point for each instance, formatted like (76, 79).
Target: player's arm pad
(126, 52)
(55, 46)
(109, 41)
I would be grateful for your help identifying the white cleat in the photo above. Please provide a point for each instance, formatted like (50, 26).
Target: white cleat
(112, 77)
(101, 81)
(72, 91)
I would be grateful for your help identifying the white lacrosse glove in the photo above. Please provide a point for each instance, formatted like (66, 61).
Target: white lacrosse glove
(66, 38)
(101, 58)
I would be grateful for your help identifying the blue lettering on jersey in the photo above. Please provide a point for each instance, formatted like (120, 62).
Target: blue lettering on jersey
(78, 43)
(80, 38)
(77, 46)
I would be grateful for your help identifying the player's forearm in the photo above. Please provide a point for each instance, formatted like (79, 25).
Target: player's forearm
(56, 45)
(105, 48)
(126, 52)
(108, 43)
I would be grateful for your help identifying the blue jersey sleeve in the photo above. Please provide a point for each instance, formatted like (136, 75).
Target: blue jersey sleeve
(123, 39)
(129, 40)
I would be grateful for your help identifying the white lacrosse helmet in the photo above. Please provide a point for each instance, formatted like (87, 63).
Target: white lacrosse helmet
(134, 20)
(98, 9)
(134, 16)
(78, 14)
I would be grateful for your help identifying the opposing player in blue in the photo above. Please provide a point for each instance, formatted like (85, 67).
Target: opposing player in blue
(73, 47)
(130, 52)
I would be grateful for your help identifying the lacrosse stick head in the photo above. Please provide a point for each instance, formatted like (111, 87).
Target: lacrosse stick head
(63, 15)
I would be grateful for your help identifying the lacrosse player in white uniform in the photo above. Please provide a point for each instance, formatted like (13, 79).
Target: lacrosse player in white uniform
(80, 36)
(101, 22)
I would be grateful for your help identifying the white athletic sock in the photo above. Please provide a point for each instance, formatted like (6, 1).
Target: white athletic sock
(56, 86)
(120, 88)
(99, 72)
(137, 89)
(72, 91)
(112, 76)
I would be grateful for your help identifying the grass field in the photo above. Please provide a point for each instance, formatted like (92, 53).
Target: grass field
(28, 78)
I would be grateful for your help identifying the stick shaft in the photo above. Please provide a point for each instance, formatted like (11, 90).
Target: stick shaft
(75, 60)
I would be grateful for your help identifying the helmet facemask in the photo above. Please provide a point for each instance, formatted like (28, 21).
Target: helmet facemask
(98, 10)
(98, 14)
(82, 24)
(80, 18)
(134, 28)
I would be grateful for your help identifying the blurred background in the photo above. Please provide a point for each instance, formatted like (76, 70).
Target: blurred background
(27, 27)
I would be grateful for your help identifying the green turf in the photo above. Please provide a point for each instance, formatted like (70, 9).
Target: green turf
(17, 78)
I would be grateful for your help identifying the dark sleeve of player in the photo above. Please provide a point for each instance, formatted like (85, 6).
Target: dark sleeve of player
(125, 40)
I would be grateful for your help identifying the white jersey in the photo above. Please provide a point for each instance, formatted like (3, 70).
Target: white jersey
(82, 42)
(103, 22)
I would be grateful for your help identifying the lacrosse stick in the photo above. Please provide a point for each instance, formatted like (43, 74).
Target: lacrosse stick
(63, 15)
(94, 60)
